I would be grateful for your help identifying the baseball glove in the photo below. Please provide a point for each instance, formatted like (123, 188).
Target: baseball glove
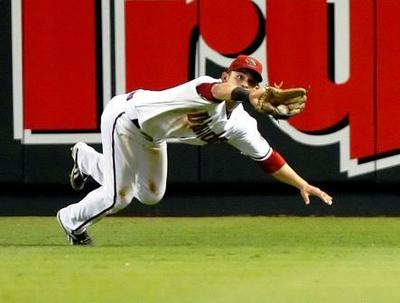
(282, 103)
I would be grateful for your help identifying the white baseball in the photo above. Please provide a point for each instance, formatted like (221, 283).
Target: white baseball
(283, 109)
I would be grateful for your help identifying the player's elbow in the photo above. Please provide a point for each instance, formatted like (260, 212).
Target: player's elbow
(273, 163)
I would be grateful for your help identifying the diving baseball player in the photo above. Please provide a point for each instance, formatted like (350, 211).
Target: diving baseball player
(135, 128)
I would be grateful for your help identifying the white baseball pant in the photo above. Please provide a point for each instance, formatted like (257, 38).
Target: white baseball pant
(130, 167)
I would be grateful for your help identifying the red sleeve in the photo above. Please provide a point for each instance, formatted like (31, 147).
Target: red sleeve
(204, 90)
(272, 163)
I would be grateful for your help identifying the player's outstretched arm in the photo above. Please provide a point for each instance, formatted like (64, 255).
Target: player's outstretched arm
(287, 175)
(231, 93)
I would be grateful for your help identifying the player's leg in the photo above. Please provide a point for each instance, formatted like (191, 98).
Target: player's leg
(151, 168)
(122, 153)
(88, 161)
(118, 176)
(140, 168)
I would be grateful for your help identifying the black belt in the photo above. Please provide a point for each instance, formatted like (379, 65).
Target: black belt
(136, 123)
(129, 97)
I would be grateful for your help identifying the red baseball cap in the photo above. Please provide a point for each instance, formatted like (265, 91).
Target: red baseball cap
(248, 63)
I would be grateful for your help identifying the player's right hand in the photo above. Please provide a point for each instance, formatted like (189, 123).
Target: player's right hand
(309, 190)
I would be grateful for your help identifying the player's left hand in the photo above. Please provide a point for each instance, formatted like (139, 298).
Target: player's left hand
(308, 190)
(278, 102)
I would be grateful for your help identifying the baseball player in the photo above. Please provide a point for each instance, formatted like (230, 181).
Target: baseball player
(136, 126)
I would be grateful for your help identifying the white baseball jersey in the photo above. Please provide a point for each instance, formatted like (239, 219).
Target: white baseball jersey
(134, 166)
(181, 114)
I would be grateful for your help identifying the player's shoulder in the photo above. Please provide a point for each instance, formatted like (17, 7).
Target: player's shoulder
(206, 79)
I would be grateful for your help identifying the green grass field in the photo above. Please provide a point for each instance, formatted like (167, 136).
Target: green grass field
(223, 259)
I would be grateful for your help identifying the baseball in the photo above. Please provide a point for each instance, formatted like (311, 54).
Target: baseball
(283, 109)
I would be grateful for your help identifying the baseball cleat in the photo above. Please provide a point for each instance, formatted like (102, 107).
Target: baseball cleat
(77, 179)
(75, 239)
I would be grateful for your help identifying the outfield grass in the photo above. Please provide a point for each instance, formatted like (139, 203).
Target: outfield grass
(229, 259)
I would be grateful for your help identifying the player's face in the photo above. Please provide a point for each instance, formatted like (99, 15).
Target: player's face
(242, 78)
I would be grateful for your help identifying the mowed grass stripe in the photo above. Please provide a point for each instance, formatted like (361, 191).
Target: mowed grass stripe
(222, 259)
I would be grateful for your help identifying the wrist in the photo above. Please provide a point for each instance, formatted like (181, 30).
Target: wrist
(301, 184)
(240, 94)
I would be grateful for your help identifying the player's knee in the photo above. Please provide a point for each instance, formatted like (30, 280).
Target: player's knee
(151, 197)
(150, 192)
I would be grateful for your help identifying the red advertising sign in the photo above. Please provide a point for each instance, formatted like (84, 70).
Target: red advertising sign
(60, 88)
(302, 43)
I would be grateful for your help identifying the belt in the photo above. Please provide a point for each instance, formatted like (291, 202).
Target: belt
(136, 123)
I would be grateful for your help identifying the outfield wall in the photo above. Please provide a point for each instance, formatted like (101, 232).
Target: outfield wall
(60, 62)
